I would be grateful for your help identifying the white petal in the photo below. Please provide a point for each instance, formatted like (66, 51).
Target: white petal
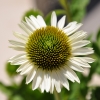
(24, 65)
(35, 22)
(79, 44)
(16, 43)
(72, 29)
(47, 81)
(57, 81)
(41, 21)
(52, 84)
(61, 22)
(82, 51)
(42, 85)
(17, 56)
(27, 69)
(53, 19)
(37, 79)
(72, 74)
(31, 75)
(25, 28)
(75, 67)
(18, 48)
(29, 26)
(79, 62)
(19, 61)
(20, 36)
(86, 59)
(80, 35)
(62, 79)
(30, 23)
(70, 26)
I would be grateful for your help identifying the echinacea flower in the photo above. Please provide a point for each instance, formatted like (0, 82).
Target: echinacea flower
(50, 54)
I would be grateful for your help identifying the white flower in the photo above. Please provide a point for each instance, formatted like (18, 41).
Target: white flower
(51, 53)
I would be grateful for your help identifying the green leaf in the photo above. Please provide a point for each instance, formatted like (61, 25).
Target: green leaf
(17, 97)
(4, 89)
(11, 69)
(78, 9)
(32, 12)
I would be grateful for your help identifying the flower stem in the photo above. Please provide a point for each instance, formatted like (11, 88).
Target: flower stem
(56, 95)
(65, 5)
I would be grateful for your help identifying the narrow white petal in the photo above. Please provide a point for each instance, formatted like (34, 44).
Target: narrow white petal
(25, 28)
(42, 85)
(86, 59)
(18, 48)
(31, 75)
(70, 26)
(82, 51)
(30, 23)
(17, 56)
(66, 75)
(57, 81)
(79, 62)
(47, 80)
(63, 79)
(72, 29)
(20, 36)
(35, 22)
(29, 26)
(53, 19)
(61, 22)
(80, 35)
(24, 65)
(41, 21)
(52, 84)
(75, 67)
(79, 44)
(19, 61)
(27, 69)
(37, 79)
(72, 74)
(16, 43)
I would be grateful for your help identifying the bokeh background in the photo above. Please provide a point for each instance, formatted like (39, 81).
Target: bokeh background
(11, 12)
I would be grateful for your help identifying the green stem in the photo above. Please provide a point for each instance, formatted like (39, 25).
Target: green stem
(56, 95)
(68, 12)
(65, 5)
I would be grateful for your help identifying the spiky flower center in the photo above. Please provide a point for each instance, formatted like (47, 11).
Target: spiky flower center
(48, 48)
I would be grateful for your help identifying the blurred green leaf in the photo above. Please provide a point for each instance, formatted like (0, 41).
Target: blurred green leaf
(78, 9)
(17, 97)
(5, 89)
(11, 69)
(32, 12)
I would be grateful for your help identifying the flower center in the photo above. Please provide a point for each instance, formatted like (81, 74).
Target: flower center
(48, 48)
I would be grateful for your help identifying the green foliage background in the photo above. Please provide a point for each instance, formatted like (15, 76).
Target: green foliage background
(74, 10)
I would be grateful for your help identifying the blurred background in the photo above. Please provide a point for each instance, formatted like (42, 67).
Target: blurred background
(11, 13)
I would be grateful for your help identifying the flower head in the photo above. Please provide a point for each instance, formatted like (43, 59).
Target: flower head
(51, 53)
